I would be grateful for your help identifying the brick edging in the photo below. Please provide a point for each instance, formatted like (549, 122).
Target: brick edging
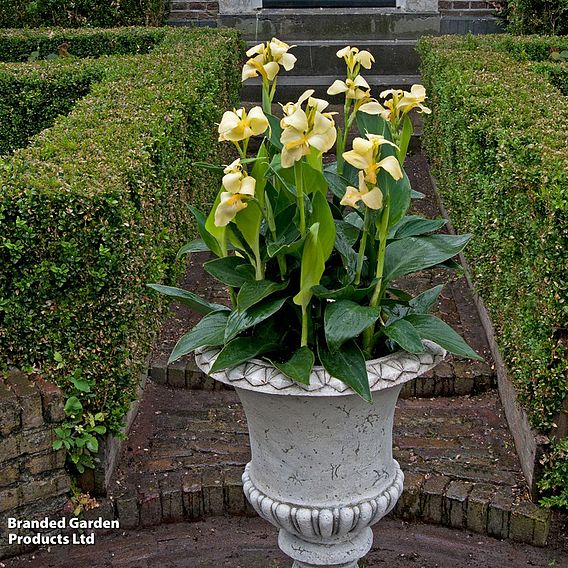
(440, 500)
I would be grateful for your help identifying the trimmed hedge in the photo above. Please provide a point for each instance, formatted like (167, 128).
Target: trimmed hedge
(32, 97)
(92, 13)
(96, 207)
(18, 45)
(497, 142)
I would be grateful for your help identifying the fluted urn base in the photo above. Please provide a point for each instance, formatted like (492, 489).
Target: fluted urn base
(344, 553)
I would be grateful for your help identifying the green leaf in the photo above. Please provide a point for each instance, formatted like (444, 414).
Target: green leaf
(99, 429)
(312, 267)
(240, 320)
(373, 124)
(312, 179)
(338, 184)
(207, 237)
(402, 332)
(416, 253)
(57, 445)
(345, 320)
(73, 406)
(225, 270)
(405, 137)
(321, 213)
(423, 302)
(242, 349)
(413, 225)
(299, 366)
(348, 292)
(399, 191)
(198, 245)
(210, 331)
(218, 233)
(256, 290)
(434, 329)
(190, 299)
(93, 444)
(275, 132)
(81, 384)
(347, 365)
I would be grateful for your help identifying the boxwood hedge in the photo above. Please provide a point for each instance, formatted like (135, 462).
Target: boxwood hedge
(95, 207)
(497, 142)
(92, 13)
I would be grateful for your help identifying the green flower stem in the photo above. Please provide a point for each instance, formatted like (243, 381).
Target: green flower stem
(304, 341)
(342, 141)
(266, 98)
(383, 233)
(300, 195)
(259, 266)
(269, 216)
(362, 247)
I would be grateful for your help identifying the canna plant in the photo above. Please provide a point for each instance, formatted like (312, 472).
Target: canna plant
(310, 253)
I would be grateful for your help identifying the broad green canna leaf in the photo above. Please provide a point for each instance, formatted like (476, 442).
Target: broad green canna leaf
(254, 291)
(299, 366)
(240, 320)
(422, 303)
(190, 299)
(413, 225)
(312, 267)
(210, 331)
(402, 332)
(411, 254)
(344, 320)
(226, 270)
(321, 214)
(243, 349)
(434, 329)
(197, 245)
(210, 240)
(347, 365)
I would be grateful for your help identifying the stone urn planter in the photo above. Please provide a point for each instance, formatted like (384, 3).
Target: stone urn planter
(322, 469)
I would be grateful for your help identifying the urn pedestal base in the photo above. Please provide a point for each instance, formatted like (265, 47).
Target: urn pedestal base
(329, 554)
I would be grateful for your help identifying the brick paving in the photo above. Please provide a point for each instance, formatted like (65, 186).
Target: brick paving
(241, 542)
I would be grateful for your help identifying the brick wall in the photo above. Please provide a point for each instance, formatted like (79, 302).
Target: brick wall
(196, 12)
(33, 481)
(473, 7)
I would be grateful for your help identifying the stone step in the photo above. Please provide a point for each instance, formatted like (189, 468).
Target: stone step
(333, 23)
(290, 87)
(318, 57)
(187, 451)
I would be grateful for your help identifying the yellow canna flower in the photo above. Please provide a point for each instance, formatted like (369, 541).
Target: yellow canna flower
(236, 179)
(354, 58)
(304, 128)
(355, 89)
(365, 156)
(268, 57)
(229, 205)
(373, 198)
(414, 99)
(239, 125)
